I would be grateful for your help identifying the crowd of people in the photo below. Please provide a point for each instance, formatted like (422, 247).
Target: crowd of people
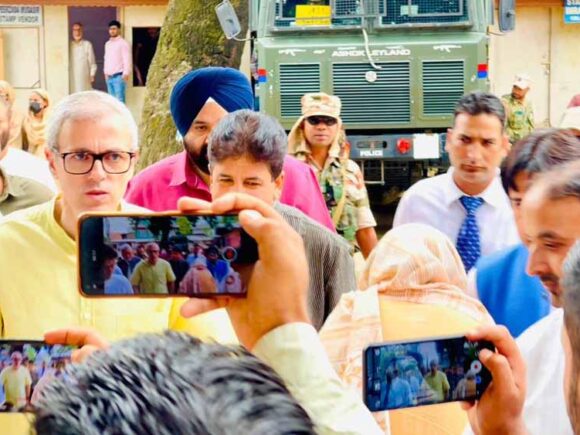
(145, 268)
(26, 370)
(478, 250)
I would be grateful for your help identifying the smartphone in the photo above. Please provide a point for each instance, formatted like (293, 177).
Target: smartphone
(160, 254)
(26, 368)
(405, 374)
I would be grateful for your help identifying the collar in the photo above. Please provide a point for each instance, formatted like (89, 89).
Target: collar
(492, 195)
(184, 174)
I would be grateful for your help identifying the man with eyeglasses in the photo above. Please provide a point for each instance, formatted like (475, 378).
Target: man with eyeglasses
(318, 139)
(92, 149)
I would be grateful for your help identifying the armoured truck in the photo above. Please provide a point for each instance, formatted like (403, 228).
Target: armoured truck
(399, 67)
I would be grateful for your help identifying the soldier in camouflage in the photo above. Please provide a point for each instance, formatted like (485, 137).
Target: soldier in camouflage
(520, 113)
(317, 138)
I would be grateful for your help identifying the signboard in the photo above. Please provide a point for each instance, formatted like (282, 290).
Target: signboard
(572, 11)
(20, 15)
(312, 15)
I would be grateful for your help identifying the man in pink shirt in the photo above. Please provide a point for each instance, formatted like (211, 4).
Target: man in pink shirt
(117, 62)
(199, 101)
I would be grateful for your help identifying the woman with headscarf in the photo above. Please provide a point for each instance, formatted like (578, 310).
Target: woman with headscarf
(34, 137)
(198, 279)
(413, 287)
(16, 116)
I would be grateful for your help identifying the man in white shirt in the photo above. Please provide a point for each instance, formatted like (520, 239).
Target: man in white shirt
(468, 203)
(82, 63)
(551, 213)
(500, 408)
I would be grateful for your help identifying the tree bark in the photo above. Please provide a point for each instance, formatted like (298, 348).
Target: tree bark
(191, 37)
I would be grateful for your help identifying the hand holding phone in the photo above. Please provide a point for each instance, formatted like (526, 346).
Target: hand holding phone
(85, 341)
(26, 368)
(278, 286)
(405, 374)
(499, 409)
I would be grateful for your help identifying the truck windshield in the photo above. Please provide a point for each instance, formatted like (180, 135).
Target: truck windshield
(342, 13)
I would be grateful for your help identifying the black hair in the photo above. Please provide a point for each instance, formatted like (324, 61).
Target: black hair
(114, 23)
(247, 133)
(170, 384)
(539, 152)
(478, 103)
(109, 253)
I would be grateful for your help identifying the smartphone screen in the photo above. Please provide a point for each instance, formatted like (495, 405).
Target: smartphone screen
(26, 368)
(407, 374)
(162, 255)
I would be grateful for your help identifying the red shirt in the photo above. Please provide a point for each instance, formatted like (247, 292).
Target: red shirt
(159, 186)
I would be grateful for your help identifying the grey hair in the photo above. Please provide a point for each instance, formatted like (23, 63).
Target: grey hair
(125, 246)
(247, 133)
(88, 105)
(170, 384)
(571, 285)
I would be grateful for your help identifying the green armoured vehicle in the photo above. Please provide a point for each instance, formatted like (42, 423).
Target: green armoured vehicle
(398, 66)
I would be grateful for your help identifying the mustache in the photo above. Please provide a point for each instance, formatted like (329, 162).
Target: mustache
(549, 278)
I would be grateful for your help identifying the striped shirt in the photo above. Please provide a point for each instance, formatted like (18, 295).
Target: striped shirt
(330, 265)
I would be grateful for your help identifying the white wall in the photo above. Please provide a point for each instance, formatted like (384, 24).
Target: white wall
(546, 49)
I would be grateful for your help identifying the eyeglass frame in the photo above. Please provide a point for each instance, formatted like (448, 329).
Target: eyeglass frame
(324, 119)
(96, 157)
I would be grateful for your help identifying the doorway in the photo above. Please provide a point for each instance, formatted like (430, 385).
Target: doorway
(95, 21)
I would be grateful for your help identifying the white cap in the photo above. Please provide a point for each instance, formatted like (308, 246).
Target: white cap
(522, 81)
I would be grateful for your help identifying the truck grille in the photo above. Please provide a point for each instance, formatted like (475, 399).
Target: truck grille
(443, 85)
(386, 100)
(295, 81)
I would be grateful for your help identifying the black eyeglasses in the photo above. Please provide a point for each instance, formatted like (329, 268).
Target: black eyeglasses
(326, 120)
(82, 162)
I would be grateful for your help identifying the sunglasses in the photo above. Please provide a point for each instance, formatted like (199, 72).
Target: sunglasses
(326, 120)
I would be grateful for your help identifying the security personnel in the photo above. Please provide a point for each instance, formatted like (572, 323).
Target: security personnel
(318, 139)
(520, 113)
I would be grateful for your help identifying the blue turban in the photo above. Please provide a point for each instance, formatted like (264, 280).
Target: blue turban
(227, 86)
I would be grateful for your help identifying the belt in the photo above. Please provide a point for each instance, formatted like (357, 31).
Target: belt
(115, 75)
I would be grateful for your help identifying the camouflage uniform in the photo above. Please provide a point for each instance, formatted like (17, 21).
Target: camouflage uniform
(339, 174)
(520, 118)
(356, 213)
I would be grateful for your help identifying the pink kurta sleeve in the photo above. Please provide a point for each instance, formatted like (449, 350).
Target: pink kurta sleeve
(302, 191)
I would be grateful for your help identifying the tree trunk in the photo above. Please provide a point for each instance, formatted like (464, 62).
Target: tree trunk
(191, 37)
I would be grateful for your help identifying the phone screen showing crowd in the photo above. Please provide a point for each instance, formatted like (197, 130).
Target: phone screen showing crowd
(403, 375)
(26, 369)
(165, 255)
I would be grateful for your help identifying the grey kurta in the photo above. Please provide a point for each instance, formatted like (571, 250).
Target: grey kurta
(82, 66)
(329, 262)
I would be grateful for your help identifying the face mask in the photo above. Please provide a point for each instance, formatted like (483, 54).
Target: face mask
(35, 107)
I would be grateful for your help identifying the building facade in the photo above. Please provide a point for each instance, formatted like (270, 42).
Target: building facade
(545, 48)
(35, 50)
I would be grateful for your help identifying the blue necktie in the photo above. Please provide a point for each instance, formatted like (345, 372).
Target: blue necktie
(468, 243)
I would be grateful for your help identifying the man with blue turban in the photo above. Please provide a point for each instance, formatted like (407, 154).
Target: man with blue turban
(199, 100)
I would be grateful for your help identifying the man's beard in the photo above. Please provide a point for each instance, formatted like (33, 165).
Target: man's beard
(199, 157)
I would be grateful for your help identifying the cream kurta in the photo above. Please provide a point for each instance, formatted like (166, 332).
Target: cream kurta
(82, 66)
